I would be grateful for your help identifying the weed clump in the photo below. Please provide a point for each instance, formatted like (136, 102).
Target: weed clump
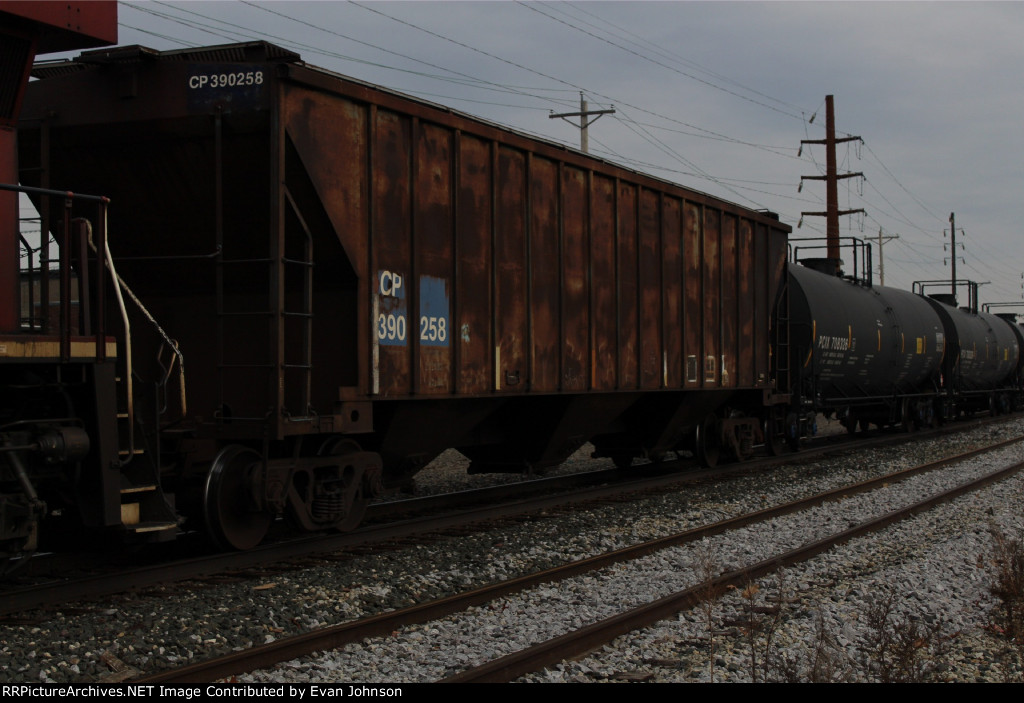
(1006, 573)
(901, 649)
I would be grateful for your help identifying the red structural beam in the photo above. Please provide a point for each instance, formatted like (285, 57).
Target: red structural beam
(26, 30)
(64, 26)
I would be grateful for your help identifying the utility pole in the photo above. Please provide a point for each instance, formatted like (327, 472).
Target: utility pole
(953, 257)
(952, 234)
(583, 114)
(881, 259)
(831, 179)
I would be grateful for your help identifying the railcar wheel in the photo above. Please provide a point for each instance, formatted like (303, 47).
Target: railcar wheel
(228, 501)
(709, 447)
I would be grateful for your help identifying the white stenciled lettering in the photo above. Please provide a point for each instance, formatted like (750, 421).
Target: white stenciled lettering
(390, 284)
(826, 343)
(225, 80)
(391, 327)
(433, 329)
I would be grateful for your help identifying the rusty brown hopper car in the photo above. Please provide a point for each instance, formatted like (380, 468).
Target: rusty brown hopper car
(351, 272)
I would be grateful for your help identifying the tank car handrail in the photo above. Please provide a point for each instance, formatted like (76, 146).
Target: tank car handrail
(987, 307)
(862, 259)
(972, 290)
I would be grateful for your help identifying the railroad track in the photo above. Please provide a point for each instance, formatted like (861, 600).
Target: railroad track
(411, 519)
(596, 634)
(419, 516)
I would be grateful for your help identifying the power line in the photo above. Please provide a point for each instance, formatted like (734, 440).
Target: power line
(659, 63)
(570, 84)
(558, 94)
(667, 53)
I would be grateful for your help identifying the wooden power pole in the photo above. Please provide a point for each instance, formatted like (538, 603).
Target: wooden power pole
(952, 234)
(881, 258)
(831, 179)
(583, 114)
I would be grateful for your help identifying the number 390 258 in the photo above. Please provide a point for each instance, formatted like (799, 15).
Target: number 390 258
(391, 327)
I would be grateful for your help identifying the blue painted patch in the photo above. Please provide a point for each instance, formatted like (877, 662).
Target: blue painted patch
(434, 326)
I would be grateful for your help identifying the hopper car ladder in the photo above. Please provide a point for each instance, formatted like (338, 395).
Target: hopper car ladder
(285, 276)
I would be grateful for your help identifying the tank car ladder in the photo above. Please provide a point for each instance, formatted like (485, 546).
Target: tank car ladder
(786, 396)
(297, 257)
(782, 343)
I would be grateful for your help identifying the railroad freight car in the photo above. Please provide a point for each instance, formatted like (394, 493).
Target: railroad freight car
(322, 284)
(870, 354)
(981, 368)
(867, 354)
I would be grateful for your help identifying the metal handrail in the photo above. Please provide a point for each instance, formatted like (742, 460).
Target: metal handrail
(64, 266)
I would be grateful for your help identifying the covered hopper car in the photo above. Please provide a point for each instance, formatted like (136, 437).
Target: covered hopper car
(316, 285)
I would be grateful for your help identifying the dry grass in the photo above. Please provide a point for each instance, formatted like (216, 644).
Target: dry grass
(1006, 573)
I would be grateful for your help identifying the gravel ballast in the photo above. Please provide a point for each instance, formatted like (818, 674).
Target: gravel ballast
(933, 566)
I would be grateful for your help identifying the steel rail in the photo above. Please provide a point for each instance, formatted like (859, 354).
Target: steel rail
(386, 623)
(589, 638)
(614, 483)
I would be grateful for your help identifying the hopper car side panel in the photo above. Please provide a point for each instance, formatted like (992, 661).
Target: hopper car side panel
(449, 257)
(567, 277)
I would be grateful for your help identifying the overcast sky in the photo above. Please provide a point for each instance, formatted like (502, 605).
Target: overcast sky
(713, 95)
